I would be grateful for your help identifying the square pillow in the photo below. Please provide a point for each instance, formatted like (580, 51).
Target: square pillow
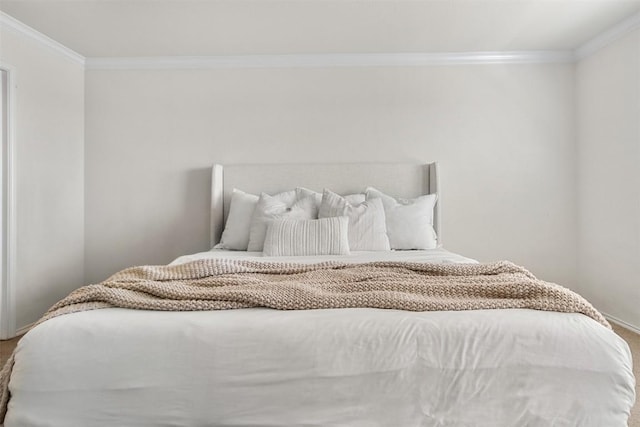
(409, 221)
(354, 199)
(367, 228)
(289, 205)
(236, 230)
(326, 236)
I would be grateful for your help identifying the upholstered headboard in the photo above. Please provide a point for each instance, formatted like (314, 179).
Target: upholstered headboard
(399, 180)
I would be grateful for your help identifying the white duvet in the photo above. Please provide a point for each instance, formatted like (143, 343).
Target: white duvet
(343, 367)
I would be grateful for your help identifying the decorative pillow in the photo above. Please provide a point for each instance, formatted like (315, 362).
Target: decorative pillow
(284, 205)
(367, 229)
(326, 236)
(236, 230)
(354, 199)
(409, 221)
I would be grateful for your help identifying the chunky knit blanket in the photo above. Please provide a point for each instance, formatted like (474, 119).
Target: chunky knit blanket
(227, 284)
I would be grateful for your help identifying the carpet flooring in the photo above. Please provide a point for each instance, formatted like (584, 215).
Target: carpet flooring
(6, 347)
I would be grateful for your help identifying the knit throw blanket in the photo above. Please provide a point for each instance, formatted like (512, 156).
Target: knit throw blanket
(215, 284)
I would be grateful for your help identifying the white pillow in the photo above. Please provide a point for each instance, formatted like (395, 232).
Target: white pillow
(284, 205)
(409, 221)
(326, 236)
(236, 230)
(354, 199)
(367, 229)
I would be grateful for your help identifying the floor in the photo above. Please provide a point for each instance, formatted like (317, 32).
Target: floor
(6, 347)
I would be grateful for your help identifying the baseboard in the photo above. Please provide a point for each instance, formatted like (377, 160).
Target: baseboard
(24, 329)
(622, 323)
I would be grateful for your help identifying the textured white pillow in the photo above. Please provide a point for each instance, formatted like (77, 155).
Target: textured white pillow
(326, 236)
(409, 221)
(354, 199)
(367, 229)
(236, 230)
(284, 205)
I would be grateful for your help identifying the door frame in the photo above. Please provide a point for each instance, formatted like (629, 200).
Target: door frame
(8, 193)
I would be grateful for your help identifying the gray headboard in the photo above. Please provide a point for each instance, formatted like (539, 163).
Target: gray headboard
(399, 180)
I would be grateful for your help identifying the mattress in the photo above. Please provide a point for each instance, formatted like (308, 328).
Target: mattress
(340, 367)
(438, 255)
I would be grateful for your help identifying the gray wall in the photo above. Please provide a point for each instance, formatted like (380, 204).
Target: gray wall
(49, 168)
(608, 103)
(504, 135)
(134, 188)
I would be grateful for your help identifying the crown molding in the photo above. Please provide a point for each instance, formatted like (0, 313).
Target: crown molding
(609, 36)
(327, 60)
(10, 23)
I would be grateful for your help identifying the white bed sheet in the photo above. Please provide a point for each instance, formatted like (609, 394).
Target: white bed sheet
(438, 255)
(346, 367)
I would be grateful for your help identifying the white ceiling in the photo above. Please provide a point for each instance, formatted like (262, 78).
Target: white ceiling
(102, 28)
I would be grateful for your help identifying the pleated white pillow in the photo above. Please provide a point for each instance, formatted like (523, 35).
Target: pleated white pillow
(409, 221)
(367, 228)
(326, 236)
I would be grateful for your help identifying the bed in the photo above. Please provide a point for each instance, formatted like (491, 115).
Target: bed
(321, 367)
